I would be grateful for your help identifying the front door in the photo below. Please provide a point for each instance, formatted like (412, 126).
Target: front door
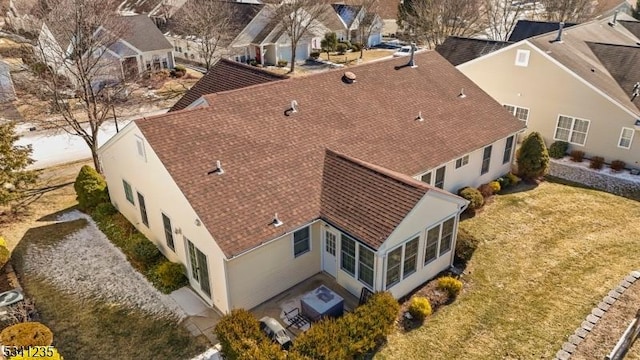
(329, 260)
(199, 268)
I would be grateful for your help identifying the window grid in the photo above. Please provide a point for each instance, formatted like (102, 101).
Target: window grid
(348, 255)
(128, 192)
(330, 243)
(571, 130)
(440, 178)
(447, 236)
(626, 137)
(462, 161)
(394, 260)
(365, 265)
(508, 148)
(486, 160)
(168, 231)
(431, 248)
(519, 112)
(301, 243)
(410, 264)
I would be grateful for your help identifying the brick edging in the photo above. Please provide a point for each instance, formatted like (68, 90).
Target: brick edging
(569, 347)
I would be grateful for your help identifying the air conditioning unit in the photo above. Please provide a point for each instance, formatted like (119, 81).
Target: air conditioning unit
(10, 297)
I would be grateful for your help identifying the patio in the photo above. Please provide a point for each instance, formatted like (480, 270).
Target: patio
(290, 299)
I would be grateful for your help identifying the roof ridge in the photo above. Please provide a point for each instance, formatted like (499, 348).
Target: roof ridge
(394, 175)
(253, 68)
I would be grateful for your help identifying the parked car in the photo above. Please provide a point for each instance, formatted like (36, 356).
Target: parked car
(403, 51)
(275, 332)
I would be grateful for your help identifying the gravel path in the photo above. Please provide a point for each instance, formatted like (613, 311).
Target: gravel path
(87, 264)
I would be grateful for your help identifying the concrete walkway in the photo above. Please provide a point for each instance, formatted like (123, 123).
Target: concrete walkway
(201, 319)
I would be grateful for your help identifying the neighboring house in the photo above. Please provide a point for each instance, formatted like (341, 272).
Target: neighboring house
(578, 85)
(140, 47)
(459, 50)
(255, 193)
(7, 91)
(21, 16)
(225, 75)
(351, 17)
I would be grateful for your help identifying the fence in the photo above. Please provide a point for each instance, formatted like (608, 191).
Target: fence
(626, 341)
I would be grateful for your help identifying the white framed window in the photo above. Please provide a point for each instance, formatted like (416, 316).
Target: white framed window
(439, 240)
(626, 138)
(140, 147)
(519, 112)
(365, 265)
(486, 159)
(571, 130)
(402, 262)
(301, 242)
(357, 260)
(508, 149)
(522, 58)
(348, 254)
(128, 192)
(439, 183)
(462, 161)
(426, 178)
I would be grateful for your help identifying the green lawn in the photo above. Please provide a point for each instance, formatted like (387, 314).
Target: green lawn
(88, 329)
(546, 257)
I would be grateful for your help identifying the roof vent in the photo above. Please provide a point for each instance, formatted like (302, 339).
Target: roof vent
(419, 117)
(462, 95)
(218, 170)
(276, 222)
(636, 91)
(349, 77)
(412, 61)
(293, 109)
(614, 21)
(558, 39)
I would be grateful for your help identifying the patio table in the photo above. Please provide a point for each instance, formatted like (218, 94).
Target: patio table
(322, 302)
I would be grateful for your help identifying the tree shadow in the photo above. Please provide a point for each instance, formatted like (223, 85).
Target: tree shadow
(522, 186)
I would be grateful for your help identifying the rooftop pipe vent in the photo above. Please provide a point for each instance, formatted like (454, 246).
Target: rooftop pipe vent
(419, 117)
(462, 95)
(412, 61)
(636, 91)
(293, 109)
(276, 222)
(614, 21)
(558, 39)
(349, 77)
(218, 170)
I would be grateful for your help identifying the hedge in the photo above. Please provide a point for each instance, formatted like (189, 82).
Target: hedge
(237, 331)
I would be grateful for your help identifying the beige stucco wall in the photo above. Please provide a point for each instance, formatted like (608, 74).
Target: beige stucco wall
(120, 160)
(264, 272)
(548, 90)
(469, 175)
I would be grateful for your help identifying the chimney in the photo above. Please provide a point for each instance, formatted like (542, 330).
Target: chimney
(412, 61)
(614, 21)
(560, 28)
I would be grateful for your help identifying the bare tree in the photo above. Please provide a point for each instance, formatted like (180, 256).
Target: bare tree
(431, 21)
(300, 19)
(501, 17)
(567, 10)
(82, 78)
(369, 21)
(210, 24)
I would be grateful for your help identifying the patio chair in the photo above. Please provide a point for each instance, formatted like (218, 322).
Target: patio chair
(296, 318)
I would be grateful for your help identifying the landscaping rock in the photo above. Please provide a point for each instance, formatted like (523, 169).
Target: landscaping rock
(597, 312)
(575, 339)
(569, 347)
(625, 284)
(595, 179)
(614, 294)
(620, 289)
(630, 279)
(563, 355)
(587, 325)
(592, 319)
(635, 274)
(609, 300)
(603, 306)
(580, 332)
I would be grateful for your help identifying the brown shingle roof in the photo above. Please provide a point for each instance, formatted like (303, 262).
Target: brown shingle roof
(366, 201)
(225, 75)
(622, 62)
(141, 32)
(273, 163)
(575, 53)
(459, 50)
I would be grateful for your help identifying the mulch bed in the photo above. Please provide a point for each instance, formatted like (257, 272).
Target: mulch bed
(437, 298)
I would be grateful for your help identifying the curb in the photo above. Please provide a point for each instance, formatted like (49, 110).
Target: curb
(569, 347)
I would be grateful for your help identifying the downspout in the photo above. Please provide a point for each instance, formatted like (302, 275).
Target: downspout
(461, 209)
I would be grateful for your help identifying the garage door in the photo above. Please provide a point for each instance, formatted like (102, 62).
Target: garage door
(375, 39)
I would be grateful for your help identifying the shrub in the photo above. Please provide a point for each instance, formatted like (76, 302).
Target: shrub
(617, 165)
(577, 155)
(314, 55)
(26, 334)
(420, 308)
(466, 245)
(91, 189)
(282, 63)
(5, 255)
(504, 182)
(356, 47)
(476, 200)
(341, 48)
(485, 190)
(104, 210)
(513, 179)
(253, 62)
(495, 186)
(325, 340)
(180, 68)
(234, 329)
(144, 251)
(596, 162)
(451, 285)
(170, 275)
(178, 73)
(558, 149)
(532, 157)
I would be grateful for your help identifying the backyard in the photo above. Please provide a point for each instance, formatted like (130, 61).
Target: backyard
(547, 255)
(85, 306)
